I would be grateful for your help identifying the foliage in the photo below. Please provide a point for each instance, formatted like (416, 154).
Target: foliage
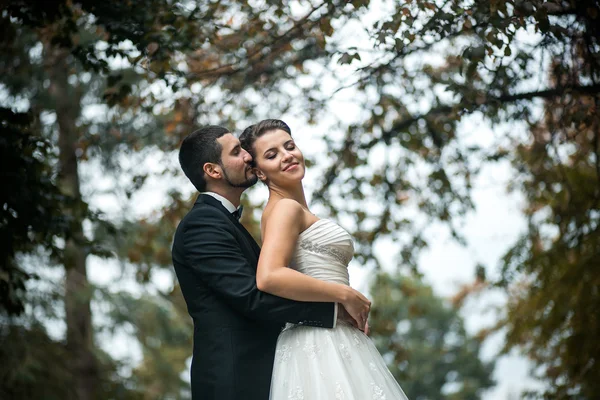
(552, 271)
(63, 59)
(55, 65)
(36, 366)
(164, 331)
(425, 342)
(108, 84)
(30, 204)
(39, 364)
(160, 30)
(437, 63)
(523, 63)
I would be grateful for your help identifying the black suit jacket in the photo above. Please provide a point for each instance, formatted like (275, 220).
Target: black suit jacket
(235, 325)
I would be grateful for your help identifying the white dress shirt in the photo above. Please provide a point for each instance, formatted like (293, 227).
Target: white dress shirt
(226, 203)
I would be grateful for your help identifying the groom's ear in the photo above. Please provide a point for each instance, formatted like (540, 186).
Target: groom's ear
(212, 170)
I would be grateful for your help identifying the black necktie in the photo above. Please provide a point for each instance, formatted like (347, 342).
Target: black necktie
(238, 213)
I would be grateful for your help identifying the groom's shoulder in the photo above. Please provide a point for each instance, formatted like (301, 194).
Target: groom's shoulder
(205, 216)
(202, 218)
(203, 211)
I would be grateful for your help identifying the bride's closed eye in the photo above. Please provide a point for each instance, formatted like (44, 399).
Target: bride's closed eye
(288, 146)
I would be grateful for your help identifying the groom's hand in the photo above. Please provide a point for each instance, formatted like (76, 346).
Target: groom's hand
(343, 315)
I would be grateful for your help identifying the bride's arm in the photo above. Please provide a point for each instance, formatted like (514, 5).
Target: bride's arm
(279, 242)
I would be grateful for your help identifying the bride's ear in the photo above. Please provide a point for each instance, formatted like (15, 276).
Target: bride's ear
(259, 174)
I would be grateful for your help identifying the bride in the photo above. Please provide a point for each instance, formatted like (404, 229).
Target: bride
(310, 363)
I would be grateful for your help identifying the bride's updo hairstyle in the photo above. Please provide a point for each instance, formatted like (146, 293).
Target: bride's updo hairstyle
(253, 132)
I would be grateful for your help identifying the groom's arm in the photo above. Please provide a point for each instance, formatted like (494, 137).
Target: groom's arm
(216, 257)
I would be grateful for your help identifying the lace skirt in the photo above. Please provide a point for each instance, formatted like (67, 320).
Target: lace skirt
(324, 364)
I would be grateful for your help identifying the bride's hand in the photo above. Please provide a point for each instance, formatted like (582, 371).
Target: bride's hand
(357, 305)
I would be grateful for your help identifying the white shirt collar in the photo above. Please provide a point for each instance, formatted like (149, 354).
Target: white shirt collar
(226, 203)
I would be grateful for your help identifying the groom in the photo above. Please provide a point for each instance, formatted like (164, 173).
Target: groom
(215, 258)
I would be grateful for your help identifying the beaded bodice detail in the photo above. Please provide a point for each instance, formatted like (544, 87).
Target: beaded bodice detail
(324, 251)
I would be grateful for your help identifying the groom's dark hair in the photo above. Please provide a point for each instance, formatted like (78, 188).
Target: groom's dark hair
(253, 132)
(198, 148)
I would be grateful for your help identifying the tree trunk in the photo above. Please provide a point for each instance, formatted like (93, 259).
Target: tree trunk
(78, 293)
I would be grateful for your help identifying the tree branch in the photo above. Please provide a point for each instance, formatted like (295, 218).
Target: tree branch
(507, 98)
(548, 93)
(255, 56)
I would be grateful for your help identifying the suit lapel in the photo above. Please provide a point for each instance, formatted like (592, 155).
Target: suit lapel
(206, 199)
(254, 245)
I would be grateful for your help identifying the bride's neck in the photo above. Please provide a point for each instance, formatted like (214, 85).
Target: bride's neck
(294, 193)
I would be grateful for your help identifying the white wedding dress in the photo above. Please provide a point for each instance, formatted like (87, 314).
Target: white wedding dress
(326, 364)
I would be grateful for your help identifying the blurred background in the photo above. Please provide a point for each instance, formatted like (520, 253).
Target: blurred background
(458, 141)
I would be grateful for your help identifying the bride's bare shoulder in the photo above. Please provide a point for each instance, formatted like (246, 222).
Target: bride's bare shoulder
(284, 212)
(281, 209)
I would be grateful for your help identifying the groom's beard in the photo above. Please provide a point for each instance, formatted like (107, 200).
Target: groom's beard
(245, 183)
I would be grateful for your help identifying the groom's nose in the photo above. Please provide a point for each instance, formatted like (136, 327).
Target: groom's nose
(246, 157)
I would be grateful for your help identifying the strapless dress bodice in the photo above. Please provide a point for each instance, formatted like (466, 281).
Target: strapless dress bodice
(323, 251)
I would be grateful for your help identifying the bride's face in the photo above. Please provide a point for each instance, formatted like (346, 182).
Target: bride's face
(277, 158)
